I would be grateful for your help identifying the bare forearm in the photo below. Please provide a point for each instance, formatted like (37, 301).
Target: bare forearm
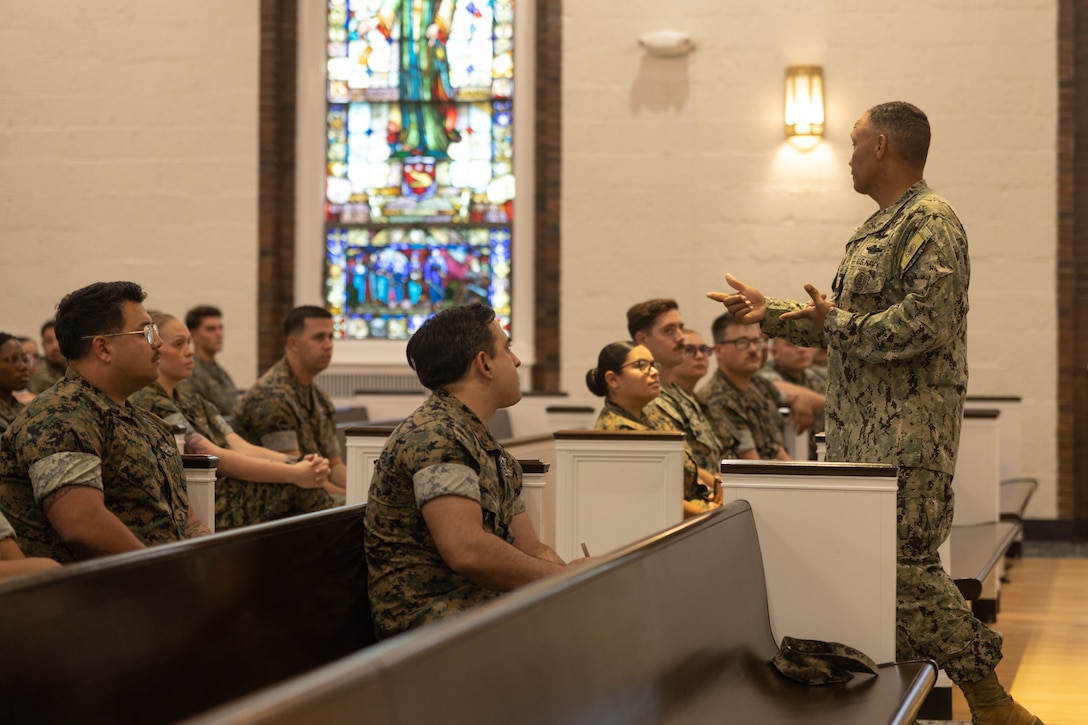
(25, 566)
(542, 551)
(100, 534)
(195, 527)
(494, 564)
(240, 444)
(248, 468)
(239, 464)
(81, 519)
(338, 472)
(9, 550)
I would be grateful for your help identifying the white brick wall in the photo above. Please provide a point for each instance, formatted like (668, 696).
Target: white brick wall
(128, 150)
(675, 170)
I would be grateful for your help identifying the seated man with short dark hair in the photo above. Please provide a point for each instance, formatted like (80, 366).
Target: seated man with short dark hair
(446, 527)
(735, 397)
(285, 411)
(209, 379)
(83, 472)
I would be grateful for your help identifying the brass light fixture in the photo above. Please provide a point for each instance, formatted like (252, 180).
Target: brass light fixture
(804, 105)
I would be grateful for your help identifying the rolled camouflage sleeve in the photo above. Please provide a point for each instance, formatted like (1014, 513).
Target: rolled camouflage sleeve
(54, 472)
(274, 423)
(445, 479)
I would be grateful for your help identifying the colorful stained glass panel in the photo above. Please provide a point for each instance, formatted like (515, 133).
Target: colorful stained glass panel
(419, 161)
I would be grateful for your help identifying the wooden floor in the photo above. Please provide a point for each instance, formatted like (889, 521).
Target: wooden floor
(1044, 617)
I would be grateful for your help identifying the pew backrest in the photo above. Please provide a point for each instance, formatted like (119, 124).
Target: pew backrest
(672, 629)
(977, 479)
(200, 474)
(363, 448)
(159, 635)
(615, 487)
(827, 534)
(1009, 430)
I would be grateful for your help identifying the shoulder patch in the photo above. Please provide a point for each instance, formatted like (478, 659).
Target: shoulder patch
(913, 246)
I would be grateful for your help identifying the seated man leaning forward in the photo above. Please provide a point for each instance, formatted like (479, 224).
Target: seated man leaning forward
(285, 411)
(446, 527)
(83, 472)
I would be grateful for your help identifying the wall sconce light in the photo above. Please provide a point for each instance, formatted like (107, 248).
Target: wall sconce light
(804, 106)
(667, 43)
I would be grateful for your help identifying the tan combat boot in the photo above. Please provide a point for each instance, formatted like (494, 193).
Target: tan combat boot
(991, 705)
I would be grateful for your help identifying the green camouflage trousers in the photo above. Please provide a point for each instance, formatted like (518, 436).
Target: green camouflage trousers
(932, 618)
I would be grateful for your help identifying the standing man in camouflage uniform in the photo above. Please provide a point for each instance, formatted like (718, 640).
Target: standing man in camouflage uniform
(205, 324)
(895, 326)
(285, 412)
(84, 473)
(446, 527)
(52, 365)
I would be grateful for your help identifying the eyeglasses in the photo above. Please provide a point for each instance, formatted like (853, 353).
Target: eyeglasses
(16, 359)
(693, 350)
(743, 343)
(149, 331)
(643, 366)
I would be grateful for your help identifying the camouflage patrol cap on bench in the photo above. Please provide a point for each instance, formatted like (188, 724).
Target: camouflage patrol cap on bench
(812, 662)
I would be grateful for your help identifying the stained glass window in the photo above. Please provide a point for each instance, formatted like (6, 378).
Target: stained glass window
(419, 188)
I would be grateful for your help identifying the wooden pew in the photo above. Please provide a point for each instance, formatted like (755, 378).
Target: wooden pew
(1016, 489)
(979, 539)
(615, 487)
(671, 629)
(200, 473)
(363, 446)
(827, 533)
(160, 635)
(539, 496)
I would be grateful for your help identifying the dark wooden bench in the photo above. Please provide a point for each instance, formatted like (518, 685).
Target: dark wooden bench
(1016, 489)
(164, 634)
(672, 629)
(1015, 494)
(976, 551)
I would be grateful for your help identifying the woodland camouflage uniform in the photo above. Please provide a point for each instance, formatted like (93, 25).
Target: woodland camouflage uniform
(282, 414)
(897, 378)
(409, 583)
(213, 383)
(752, 412)
(76, 431)
(237, 502)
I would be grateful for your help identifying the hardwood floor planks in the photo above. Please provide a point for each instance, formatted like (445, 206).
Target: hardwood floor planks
(1044, 617)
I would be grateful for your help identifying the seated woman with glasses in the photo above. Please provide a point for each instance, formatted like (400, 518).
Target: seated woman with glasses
(14, 374)
(627, 377)
(237, 501)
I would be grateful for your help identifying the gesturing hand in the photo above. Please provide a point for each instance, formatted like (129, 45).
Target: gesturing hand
(748, 304)
(815, 311)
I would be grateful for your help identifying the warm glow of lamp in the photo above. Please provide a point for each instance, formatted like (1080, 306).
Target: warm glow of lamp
(804, 105)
